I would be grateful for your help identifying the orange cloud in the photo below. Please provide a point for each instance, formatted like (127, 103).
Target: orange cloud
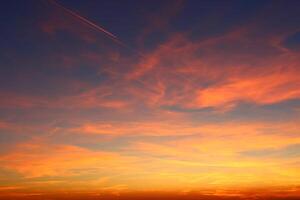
(199, 75)
(38, 160)
(134, 128)
(265, 87)
(209, 159)
(99, 97)
(186, 74)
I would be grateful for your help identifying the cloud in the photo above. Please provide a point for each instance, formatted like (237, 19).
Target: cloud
(218, 73)
(266, 87)
(100, 97)
(40, 160)
(289, 151)
(210, 158)
(223, 139)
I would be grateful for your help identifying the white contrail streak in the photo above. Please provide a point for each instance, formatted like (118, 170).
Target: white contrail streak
(88, 22)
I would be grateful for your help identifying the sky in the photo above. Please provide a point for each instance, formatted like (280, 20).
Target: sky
(127, 97)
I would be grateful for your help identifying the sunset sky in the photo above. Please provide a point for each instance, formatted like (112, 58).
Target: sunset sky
(177, 97)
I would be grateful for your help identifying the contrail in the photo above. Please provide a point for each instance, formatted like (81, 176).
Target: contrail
(89, 23)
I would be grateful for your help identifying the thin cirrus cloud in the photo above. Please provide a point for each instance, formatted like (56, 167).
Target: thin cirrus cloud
(208, 81)
(270, 80)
